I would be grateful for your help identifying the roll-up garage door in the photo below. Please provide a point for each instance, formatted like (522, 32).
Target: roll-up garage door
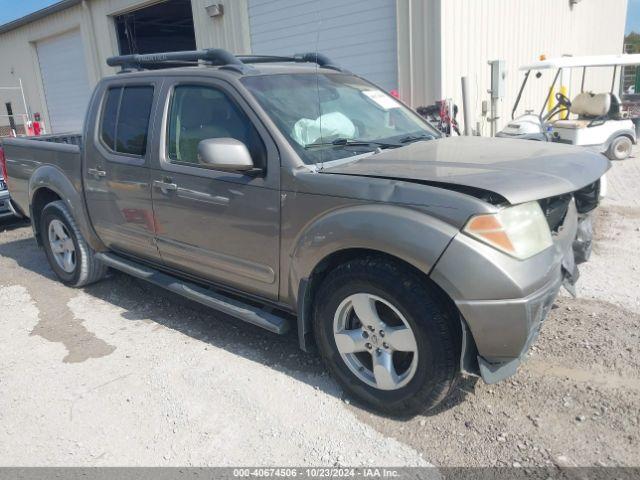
(360, 35)
(65, 80)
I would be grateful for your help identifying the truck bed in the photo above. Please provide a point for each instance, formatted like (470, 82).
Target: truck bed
(26, 154)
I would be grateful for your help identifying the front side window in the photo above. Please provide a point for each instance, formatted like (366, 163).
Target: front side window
(198, 113)
(315, 110)
(125, 119)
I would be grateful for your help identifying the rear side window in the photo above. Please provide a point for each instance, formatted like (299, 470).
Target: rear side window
(109, 115)
(125, 119)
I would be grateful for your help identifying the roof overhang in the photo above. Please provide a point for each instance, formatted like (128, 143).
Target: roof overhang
(39, 14)
(584, 61)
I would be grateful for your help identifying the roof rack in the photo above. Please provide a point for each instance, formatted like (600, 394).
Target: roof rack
(214, 56)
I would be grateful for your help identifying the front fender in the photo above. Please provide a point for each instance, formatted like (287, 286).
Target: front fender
(52, 178)
(403, 232)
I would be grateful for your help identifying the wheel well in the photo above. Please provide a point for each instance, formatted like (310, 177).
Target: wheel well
(628, 135)
(305, 329)
(41, 198)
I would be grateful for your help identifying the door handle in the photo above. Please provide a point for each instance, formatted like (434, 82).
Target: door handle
(96, 172)
(165, 185)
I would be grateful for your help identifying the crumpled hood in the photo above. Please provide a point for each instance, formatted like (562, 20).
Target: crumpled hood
(518, 170)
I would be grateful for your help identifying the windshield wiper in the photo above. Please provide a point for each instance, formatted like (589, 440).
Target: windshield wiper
(351, 142)
(415, 138)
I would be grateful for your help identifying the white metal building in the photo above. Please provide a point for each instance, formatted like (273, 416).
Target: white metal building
(419, 47)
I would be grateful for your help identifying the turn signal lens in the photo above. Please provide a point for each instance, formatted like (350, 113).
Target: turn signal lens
(521, 231)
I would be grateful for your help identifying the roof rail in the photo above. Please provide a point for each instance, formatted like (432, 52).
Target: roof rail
(311, 57)
(214, 56)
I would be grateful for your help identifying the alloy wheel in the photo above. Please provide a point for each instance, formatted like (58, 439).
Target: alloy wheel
(375, 341)
(62, 246)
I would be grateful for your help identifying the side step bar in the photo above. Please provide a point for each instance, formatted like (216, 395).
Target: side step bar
(189, 290)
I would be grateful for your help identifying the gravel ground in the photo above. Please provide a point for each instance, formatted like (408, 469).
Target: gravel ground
(123, 373)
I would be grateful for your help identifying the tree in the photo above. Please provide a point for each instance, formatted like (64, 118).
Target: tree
(632, 43)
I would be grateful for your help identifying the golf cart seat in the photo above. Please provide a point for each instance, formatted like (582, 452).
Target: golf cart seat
(589, 106)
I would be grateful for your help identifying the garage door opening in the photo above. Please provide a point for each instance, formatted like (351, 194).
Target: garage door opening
(164, 27)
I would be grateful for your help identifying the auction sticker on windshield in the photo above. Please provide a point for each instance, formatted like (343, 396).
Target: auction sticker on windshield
(383, 100)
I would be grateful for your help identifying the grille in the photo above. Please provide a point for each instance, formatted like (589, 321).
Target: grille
(3, 186)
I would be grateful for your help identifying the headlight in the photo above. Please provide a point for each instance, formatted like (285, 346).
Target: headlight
(520, 231)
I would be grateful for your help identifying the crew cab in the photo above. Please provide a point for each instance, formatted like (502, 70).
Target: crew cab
(286, 190)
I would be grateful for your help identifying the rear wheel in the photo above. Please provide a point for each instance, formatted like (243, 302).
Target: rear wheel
(69, 255)
(620, 148)
(386, 337)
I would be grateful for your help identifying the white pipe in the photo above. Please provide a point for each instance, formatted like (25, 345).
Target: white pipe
(24, 100)
(466, 106)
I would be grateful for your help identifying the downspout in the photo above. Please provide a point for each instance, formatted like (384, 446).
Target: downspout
(438, 46)
(411, 57)
(97, 70)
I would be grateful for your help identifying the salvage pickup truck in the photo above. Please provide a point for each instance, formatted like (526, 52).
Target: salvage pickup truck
(286, 190)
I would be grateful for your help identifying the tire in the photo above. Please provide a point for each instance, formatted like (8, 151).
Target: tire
(83, 268)
(401, 298)
(620, 148)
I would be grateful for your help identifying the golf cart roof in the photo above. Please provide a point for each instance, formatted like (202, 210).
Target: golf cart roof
(584, 61)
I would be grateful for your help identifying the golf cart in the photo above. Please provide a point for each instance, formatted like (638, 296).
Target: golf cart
(596, 120)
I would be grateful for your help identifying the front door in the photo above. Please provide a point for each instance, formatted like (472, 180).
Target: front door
(116, 170)
(217, 226)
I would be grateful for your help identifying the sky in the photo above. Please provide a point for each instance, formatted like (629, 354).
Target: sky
(12, 9)
(633, 17)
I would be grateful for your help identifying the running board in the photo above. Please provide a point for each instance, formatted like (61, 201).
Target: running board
(209, 298)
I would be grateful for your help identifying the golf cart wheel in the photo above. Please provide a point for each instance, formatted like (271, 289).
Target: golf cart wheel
(72, 260)
(620, 148)
(386, 336)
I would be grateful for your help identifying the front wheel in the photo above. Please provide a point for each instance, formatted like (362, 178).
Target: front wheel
(386, 336)
(620, 148)
(69, 255)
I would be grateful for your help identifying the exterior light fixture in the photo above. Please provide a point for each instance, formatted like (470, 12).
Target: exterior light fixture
(215, 10)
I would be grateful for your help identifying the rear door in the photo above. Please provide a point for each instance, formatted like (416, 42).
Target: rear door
(116, 169)
(221, 227)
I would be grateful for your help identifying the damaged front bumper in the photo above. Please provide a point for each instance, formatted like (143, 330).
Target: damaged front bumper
(504, 301)
(530, 312)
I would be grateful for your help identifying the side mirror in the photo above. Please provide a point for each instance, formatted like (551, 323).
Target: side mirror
(226, 154)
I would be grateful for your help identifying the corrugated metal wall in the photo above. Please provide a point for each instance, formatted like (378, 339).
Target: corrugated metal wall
(359, 35)
(437, 41)
(476, 31)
